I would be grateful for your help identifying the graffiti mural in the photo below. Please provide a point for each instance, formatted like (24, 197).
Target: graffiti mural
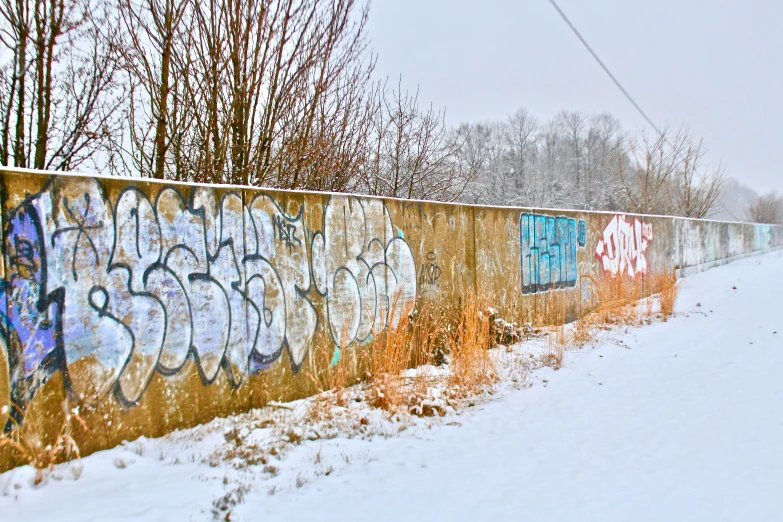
(109, 294)
(622, 246)
(364, 270)
(548, 252)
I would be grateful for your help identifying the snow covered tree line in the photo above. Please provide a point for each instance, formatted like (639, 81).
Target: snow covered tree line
(281, 94)
(571, 161)
(589, 162)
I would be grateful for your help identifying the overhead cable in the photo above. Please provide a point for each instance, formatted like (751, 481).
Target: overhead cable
(604, 67)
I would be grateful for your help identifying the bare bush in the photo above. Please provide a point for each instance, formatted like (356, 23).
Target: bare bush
(471, 365)
(409, 152)
(667, 175)
(696, 190)
(668, 285)
(28, 445)
(767, 208)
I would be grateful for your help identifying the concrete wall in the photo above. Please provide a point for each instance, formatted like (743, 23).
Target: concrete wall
(154, 306)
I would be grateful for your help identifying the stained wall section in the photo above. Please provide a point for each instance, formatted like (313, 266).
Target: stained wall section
(153, 306)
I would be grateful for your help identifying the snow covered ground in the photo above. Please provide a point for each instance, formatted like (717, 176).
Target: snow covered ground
(681, 420)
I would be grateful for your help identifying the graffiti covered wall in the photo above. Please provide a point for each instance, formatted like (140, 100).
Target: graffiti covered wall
(153, 306)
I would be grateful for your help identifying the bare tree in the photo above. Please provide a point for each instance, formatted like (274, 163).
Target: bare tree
(605, 152)
(481, 153)
(410, 155)
(667, 175)
(520, 137)
(59, 97)
(767, 208)
(573, 125)
(696, 191)
(154, 73)
(545, 189)
(654, 165)
(257, 92)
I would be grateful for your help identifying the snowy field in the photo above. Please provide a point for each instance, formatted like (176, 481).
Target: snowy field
(680, 420)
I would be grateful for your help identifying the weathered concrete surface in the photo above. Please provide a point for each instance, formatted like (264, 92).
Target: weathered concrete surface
(154, 306)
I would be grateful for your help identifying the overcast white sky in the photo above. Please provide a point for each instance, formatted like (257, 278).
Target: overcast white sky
(716, 65)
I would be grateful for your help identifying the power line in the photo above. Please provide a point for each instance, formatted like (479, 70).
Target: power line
(604, 67)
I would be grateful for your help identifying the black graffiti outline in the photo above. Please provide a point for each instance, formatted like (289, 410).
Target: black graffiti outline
(286, 232)
(218, 240)
(112, 265)
(353, 202)
(236, 285)
(201, 213)
(262, 360)
(57, 296)
(103, 311)
(81, 229)
(158, 264)
(300, 292)
(430, 270)
(163, 370)
(186, 207)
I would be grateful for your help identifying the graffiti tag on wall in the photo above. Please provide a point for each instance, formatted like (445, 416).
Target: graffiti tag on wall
(548, 252)
(430, 270)
(109, 295)
(364, 270)
(622, 246)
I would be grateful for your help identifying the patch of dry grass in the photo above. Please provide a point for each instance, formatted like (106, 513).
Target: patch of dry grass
(391, 353)
(25, 442)
(456, 338)
(621, 301)
(617, 299)
(669, 287)
(472, 368)
(556, 347)
(459, 336)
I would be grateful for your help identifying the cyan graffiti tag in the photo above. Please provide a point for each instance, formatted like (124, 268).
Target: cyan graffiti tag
(581, 237)
(548, 252)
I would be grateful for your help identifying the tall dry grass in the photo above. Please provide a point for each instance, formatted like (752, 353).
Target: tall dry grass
(27, 446)
(621, 301)
(390, 353)
(617, 299)
(669, 287)
(472, 368)
(553, 315)
(459, 336)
